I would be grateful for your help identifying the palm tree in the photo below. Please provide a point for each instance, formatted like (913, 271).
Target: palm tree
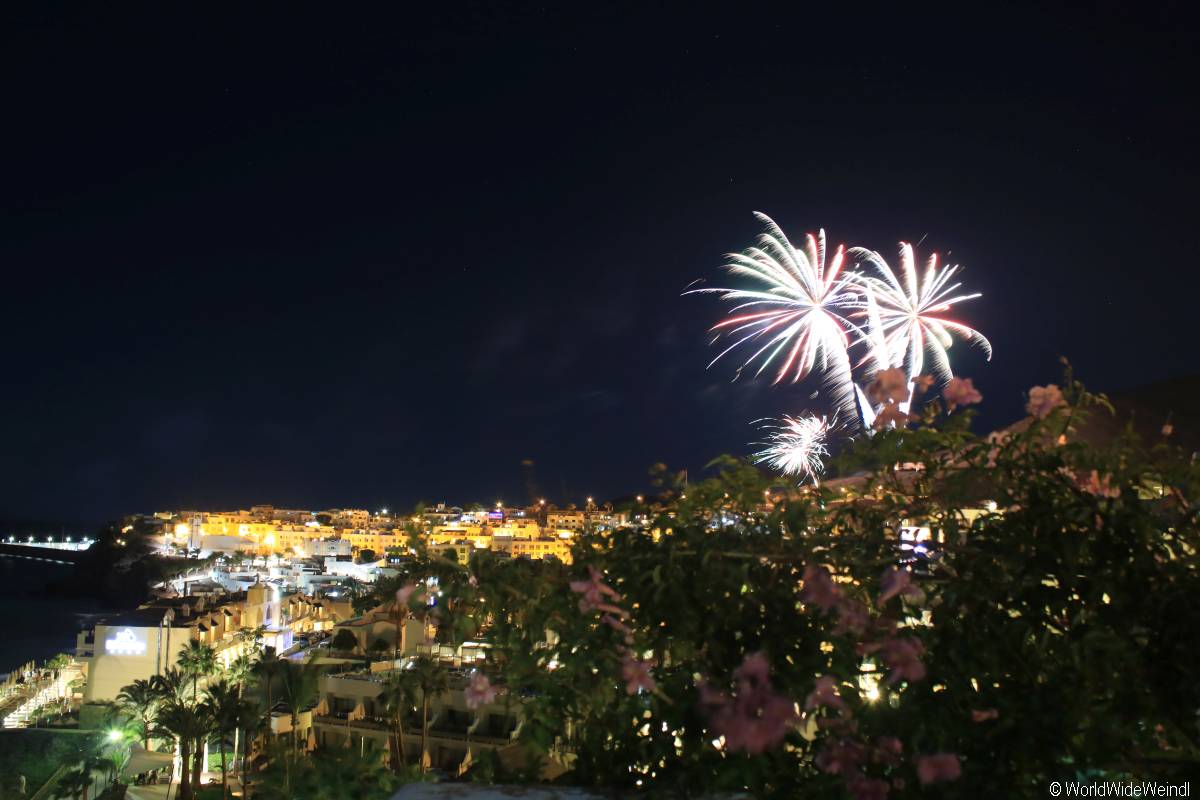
(239, 672)
(249, 720)
(268, 668)
(139, 699)
(186, 724)
(223, 705)
(197, 660)
(399, 696)
(74, 784)
(348, 773)
(432, 679)
(255, 635)
(299, 685)
(169, 685)
(115, 760)
(353, 588)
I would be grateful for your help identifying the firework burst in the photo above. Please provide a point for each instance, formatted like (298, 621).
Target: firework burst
(798, 445)
(908, 318)
(799, 321)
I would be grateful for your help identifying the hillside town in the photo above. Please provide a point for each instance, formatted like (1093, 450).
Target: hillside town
(300, 586)
(536, 531)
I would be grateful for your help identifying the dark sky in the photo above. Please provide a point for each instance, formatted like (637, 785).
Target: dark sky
(323, 257)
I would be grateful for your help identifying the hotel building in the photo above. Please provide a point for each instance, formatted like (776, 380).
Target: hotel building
(143, 643)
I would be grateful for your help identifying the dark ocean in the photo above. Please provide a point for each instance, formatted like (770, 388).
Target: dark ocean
(37, 625)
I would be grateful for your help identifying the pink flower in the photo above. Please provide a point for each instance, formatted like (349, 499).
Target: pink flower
(888, 750)
(889, 386)
(903, 658)
(960, 392)
(479, 691)
(593, 590)
(842, 757)
(1043, 400)
(896, 583)
(819, 589)
(891, 416)
(997, 439)
(984, 715)
(637, 675)
(864, 788)
(405, 592)
(756, 718)
(923, 382)
(853, 617)
(938, 767)
(616, 624)
(1100, 487)
(754, 671)
(824, 695)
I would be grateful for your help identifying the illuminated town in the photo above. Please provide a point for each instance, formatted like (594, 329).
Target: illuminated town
(335, 534)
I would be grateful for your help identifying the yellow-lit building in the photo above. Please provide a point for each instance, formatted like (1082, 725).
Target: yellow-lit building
(566, 520)
(542, 547)
(480, 536)
(379, 541)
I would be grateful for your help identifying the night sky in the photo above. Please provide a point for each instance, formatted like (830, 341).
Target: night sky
(322, 257)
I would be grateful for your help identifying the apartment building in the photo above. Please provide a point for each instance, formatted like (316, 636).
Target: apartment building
(566, 520)
(144, 642)
(541, 547)
(350, 713)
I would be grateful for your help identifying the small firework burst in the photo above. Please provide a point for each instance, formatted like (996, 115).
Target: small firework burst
(797, 445)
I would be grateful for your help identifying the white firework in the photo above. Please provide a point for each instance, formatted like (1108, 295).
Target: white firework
(800, 320)
(907, 320)
(798, 446)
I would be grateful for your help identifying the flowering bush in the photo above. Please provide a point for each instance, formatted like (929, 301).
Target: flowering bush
(991, 615)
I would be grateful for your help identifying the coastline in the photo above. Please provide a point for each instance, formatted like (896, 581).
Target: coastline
(39, 624)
